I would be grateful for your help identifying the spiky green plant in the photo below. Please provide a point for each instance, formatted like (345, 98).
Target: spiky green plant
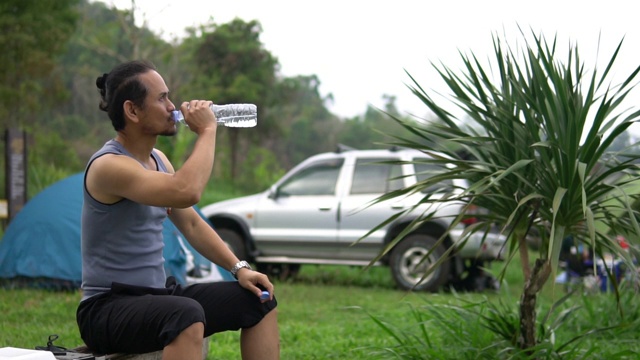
(533, 146)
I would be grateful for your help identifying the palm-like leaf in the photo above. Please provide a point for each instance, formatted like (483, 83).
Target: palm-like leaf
(535, 140)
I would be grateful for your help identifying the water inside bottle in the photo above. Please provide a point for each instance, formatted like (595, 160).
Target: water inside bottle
(239, 121)
(245, 121)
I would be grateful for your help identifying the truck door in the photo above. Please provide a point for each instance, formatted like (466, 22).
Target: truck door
(371, 179)
(300, 219)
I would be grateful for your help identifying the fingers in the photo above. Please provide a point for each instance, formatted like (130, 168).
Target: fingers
(194, 105)
(198, 115)
(256, 282)
(184, 107)
(197, 104)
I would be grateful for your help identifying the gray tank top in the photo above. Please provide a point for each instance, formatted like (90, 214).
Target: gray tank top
(121, 242)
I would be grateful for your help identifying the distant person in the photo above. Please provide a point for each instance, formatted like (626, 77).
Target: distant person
(130, 188)
(578, 257)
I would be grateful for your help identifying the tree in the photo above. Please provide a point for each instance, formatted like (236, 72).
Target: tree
(32, 35)
(537, 156)
(293, 120)
(103, 38)
(233, 67)
(304, 124)
(374, 129)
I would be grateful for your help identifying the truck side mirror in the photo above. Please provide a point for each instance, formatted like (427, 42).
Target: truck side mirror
(273, 192)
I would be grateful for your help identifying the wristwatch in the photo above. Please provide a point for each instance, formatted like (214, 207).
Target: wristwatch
(239, 265)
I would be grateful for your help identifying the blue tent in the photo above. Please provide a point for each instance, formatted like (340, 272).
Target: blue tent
(41, 245)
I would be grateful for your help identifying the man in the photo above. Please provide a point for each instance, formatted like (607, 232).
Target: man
(129, 189)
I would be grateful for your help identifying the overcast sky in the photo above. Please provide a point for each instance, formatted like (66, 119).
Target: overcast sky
(360, 50)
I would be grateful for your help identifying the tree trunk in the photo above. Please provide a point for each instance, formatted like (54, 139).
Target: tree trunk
(524, 256)
(540, 275)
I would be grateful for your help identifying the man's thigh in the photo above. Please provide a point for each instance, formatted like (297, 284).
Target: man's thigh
(227, 305)
(139, 324)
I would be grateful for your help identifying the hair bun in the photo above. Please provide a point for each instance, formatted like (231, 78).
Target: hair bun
(101, 81)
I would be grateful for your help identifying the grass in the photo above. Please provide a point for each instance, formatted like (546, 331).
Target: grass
(333, 312)
(318, 320)
(339, 312)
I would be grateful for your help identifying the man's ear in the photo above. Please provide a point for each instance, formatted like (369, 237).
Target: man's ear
(130, 110)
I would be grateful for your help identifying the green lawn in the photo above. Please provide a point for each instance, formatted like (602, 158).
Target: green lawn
(324, 314)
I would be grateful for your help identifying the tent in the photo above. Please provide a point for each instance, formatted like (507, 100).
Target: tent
(41, 245)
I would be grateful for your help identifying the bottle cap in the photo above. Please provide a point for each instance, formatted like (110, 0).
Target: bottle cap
(176, 116)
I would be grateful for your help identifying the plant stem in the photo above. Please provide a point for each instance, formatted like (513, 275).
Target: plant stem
(540, 275)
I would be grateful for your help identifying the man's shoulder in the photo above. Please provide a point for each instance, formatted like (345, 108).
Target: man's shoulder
(110, 147)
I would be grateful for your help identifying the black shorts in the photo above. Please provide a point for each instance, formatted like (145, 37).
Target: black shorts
(134, 319)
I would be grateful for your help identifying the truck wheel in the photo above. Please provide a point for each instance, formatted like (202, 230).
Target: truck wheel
(281, 272)
(234, 241)
(473, 277)
(408, 263)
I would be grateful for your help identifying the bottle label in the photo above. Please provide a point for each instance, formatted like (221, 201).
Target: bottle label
(231, 115)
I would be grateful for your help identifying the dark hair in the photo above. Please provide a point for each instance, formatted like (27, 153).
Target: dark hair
(120, 85)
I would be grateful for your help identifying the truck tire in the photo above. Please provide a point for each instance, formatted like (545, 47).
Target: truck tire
(408, 263)
(234, 241)
(281, 272)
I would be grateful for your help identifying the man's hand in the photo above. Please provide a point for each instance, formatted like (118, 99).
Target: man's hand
(250, 280)
(198, 115)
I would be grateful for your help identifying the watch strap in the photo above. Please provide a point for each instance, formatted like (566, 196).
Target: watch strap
(239, 265)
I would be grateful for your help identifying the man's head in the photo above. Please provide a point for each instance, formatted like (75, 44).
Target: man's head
(121, 84)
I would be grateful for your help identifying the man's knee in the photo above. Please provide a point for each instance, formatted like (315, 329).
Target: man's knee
(194, 332)
(186, 320)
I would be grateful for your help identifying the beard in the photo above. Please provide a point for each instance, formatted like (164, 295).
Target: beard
(168, 128)
(172, 132)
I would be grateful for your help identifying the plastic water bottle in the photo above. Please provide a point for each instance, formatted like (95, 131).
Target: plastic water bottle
(231, 115)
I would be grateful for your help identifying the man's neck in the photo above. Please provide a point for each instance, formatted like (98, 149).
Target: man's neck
(139, 147)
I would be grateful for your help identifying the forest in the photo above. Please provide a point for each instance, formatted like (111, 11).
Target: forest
(55, 50)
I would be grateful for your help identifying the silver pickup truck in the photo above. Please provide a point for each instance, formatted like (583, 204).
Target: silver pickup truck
(320, 209)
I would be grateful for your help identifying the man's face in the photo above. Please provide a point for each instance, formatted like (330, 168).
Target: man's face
(155, 116)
